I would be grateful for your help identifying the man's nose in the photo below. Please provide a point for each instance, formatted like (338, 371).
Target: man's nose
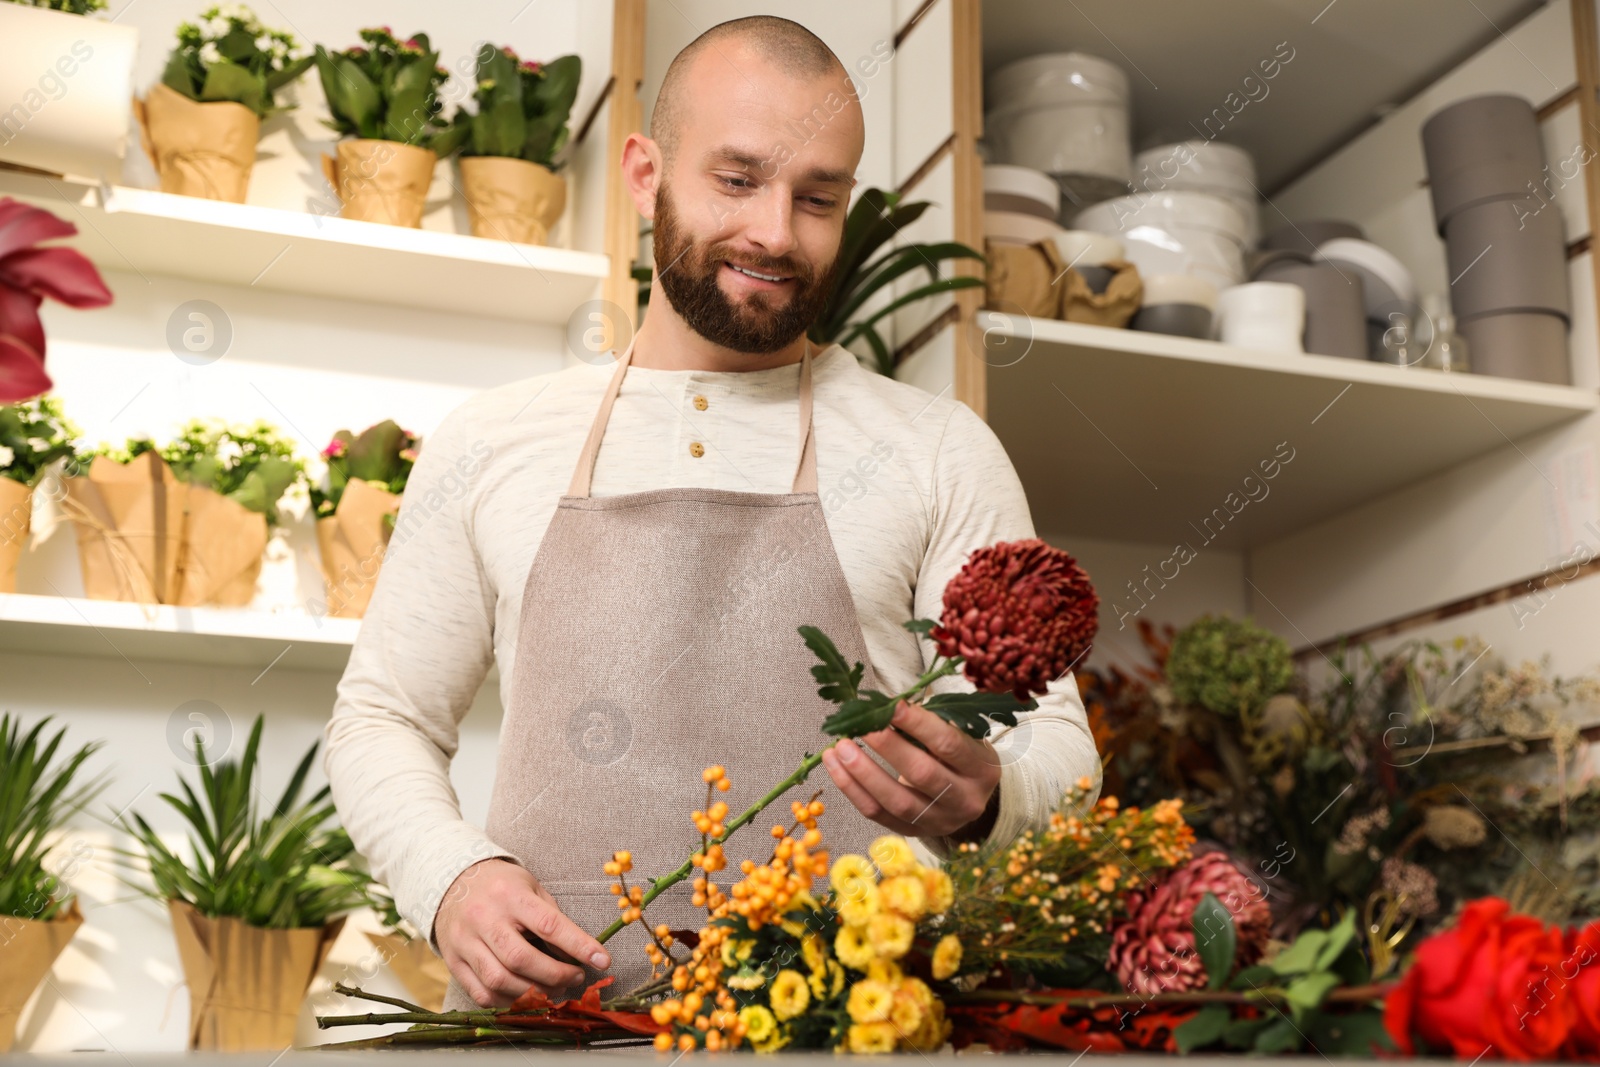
(771, 221)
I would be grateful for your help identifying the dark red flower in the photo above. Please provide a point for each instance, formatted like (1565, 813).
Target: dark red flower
(27, 276)
(1493, 983)
(1581, 968)
(1021, 614)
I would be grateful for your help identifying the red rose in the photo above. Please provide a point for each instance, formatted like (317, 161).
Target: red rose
(1492, 983)
(1581, 970)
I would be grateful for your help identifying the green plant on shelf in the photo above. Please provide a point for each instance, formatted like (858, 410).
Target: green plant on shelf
(38, 794)
(251, 464)
(33, 435)
(388, 90)
(229, 55)
(289, 868)
(70, 7)
(522, 107)
(382, 454)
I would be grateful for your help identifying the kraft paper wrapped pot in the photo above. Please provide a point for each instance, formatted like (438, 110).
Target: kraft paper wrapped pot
(1023, 279)
(16, 515)
(223, 543)
(129, 519)
(351, 543)
(380, 181)
(425, 976)
(199, 149)
(511, 199)
(31, 948)
(246, 984)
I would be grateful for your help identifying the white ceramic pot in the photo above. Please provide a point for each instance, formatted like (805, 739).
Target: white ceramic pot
(1090, 140)
(1176, 209)
(1083, 248)
(66, 84)
(1268, 315)
(1005, 183)
(1057, 78)
(1015, 227)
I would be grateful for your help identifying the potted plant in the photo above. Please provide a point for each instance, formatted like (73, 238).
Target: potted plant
(256, 897)
(384, 98)
(200, 123)
(33, 435)
(28, 274)
(127, 506)
(67, 107)
(36, 798)
(509, 147)
(355, 503)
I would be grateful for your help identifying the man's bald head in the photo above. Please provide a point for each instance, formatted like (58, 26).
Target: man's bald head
(780, 44)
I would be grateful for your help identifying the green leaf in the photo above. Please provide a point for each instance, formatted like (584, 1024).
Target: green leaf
(1307, 991)
(839, 680)
(1205, 1028)
(1253, 977)
(288, 73)
(920, 627)
(968, 712)
(1214, 938)
(1353, 1033)
(178, 77)
(1339, 938)
(372, 455)
(1241, 1033)
(1302, 955)
(869, 712)
(226, 80)
(1280, 1036)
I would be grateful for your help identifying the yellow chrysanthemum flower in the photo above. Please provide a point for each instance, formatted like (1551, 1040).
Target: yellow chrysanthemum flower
(946, 957)
(827, 983)
(792, 928)
(935, 1029)
(919, 989)
(853, 948)
(735, 950)
(780, 1037)
(848, 867)
(904, 895)
(813, 952)
(871, 1037)
(893, 856)
(745, 980)
(759, 1025)
(885, 971)
(857, 901)
(789, 994)
(890, 935)
(941, 892)
(802, 899)
(906, 1013)
(870, 1001)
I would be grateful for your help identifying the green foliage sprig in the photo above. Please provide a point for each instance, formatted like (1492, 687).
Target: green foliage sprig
(252, 464)
(522, 106)
(70, 7)
(287, 869)
(383, 454)
(33, 435)
(388, 90)
(230, 55)
(1228, 666)
(36, 798)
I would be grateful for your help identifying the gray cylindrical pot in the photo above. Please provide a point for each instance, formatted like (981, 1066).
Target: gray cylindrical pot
(1306, 236)
(1480, 148)
(1530, 345)
(1503, 257)
(1335, 306)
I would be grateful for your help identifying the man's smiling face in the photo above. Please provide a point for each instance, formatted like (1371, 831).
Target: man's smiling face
(750, 209)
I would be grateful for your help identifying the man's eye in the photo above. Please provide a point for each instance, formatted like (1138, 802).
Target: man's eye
(736, 183)
(822, 202)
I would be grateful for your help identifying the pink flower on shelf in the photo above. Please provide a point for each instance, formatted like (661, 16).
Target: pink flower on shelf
(411, 42)
(532, 66)
(357, 50)
(334, 450)
(27, 275)
(507, 50)
(408, 454)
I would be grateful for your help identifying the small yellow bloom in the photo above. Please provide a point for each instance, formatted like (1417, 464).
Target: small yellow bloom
(941, 892)
(870, 1001)
(893, 856)
(745, 980)
(847, 867)
(871, 1037)
(789, 994)
(947, 957)
(919, 989)
(907, 1012)
(759, 1023)
(904, 895)
(827, 983)
(853, 948)
(935, 1029)
(885, 971)
(890, 935)
(802, 899)
(857, 900)
(792, 928)
(813, 952)
(780, 1037)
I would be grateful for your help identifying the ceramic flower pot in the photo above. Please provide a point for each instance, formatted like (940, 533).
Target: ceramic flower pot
(511, 199)
(31, 948)
(199, 149)
(16, 511)
(66, 85)
(380, 181)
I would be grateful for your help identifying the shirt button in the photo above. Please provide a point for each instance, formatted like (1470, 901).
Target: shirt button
(697, 450)
(700, 403)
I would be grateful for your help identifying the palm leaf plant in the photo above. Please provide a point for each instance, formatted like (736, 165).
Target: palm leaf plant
(876, 219)
(37, 795)
(287, 868)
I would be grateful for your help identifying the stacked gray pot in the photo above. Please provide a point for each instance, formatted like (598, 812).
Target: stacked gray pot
(1506, 246)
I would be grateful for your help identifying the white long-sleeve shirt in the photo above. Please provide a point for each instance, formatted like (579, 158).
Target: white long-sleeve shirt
(910, 484)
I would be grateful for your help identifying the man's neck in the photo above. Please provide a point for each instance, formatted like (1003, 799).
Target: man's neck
(665, 342)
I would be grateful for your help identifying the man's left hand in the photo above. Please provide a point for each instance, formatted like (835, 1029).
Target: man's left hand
(940, 792)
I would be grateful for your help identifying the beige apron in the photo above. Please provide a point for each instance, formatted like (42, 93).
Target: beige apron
(658, 637)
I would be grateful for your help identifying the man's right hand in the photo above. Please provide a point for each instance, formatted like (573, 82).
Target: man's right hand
(479, 929)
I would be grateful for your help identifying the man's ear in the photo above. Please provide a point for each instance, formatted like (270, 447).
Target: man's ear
(641, 169)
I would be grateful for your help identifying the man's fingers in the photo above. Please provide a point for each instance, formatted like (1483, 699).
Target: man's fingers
(524, 960)
(542, 917)
(464, 974)
(944, 741)
(922, 771)
(852, 779)
(502, 985)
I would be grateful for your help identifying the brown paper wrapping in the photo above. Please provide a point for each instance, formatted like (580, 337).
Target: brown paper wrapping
(246, 984)
(1024, 278)
(380, 181)
(1114, 307)
(16, 512)
(199, 149)
(130, 528)
(511, 199)
(223, 543)
(425, 976)
(30, 949)
(351, 542)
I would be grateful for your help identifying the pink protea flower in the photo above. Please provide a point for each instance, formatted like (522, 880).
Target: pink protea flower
(1020, 613)
(1153, 949)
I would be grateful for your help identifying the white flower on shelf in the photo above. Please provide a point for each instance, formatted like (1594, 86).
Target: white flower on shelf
(209, 53)
(264, 43)
(38, 444)
(229, 450)
(7, 456)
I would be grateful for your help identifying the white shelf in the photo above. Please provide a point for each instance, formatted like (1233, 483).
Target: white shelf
(150, 232)
(53, 625)
(1132, 436)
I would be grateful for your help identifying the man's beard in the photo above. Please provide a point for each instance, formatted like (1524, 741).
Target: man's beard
(689, 276)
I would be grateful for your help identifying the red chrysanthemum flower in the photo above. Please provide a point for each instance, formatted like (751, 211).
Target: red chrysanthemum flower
(27, 276)
(1020, 614)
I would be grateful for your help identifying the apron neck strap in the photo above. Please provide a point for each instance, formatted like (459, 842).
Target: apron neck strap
(805, 475)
